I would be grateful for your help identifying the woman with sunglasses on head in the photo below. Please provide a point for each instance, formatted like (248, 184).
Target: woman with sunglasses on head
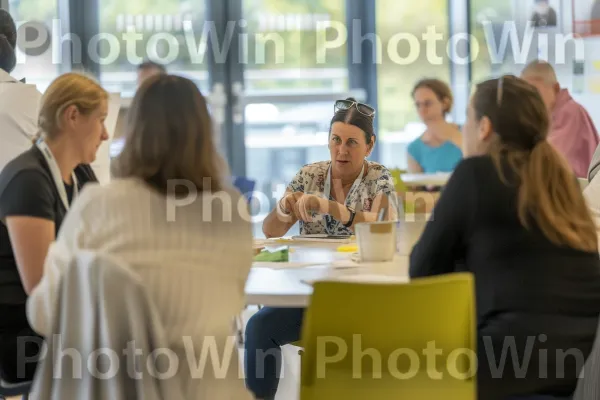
(330, 197)
(513, 214)
(439, 148)
(327, 197)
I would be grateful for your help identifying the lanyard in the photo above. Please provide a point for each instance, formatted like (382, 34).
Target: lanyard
(56, 175)
(327, 189)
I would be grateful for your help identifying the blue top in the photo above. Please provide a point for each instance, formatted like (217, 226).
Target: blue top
(443, 158)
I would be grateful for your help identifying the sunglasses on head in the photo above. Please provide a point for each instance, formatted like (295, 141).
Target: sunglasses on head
(500, 88)
(343, 105)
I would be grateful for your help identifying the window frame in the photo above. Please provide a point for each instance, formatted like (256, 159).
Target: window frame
(82, 20)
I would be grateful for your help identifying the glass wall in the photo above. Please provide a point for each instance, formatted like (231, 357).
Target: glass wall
(282, 47)
(169, 32)
(506, 43)
(35, 62)
(491, 16)
(285, 128)
(407, 56)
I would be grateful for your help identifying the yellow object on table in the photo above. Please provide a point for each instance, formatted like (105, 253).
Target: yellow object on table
(348, 248)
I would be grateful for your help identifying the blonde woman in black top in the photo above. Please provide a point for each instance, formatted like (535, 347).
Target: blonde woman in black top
(37, 189)
(513, 214)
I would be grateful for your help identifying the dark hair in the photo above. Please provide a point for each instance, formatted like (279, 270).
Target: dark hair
(8, 41)
(548, 191)
(441, 89)
(151, 64)
(353, 117)
(169, 135)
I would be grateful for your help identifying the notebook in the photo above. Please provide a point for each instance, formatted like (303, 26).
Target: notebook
(324, 238)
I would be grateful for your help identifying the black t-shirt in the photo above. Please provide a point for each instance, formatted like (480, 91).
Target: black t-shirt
(27, 189)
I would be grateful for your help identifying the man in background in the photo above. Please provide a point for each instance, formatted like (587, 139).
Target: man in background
(147, 69)
(544, 15)
(572, 132)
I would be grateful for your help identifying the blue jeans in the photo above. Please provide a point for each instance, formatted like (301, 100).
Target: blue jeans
(268, 330)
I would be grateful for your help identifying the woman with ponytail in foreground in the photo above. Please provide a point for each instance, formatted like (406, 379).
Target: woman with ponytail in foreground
(513, 215)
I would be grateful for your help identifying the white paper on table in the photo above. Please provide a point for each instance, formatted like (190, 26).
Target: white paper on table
(354, 260)
(300, 238)
(101, 165)
(317, 239)
(361, 278)
(272, 241)
(281, 265)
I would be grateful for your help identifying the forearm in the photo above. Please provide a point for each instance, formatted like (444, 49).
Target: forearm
(341, 213)
(277, 224)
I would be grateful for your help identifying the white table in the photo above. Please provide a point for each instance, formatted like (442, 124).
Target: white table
(438, 179)
(287, 287)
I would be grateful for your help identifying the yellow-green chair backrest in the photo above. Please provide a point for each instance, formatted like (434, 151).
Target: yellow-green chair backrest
(417, 340)
(399, 184)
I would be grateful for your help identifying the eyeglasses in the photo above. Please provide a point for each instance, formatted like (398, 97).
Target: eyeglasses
(342, 105)
(426, 104)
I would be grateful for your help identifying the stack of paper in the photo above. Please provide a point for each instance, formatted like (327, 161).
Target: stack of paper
(323, 238)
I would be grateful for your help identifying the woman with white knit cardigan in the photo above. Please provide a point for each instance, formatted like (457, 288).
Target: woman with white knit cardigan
(172, 217)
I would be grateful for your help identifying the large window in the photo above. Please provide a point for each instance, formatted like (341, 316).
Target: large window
(405, 58)
(286, 67)
(35, 61)
(283, 47)
(493, 16)
(171, 32)
(551, 40)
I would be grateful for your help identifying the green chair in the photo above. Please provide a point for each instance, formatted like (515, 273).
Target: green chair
(370, 341)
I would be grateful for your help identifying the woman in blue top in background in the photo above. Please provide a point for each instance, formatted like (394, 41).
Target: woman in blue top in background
(439, 149)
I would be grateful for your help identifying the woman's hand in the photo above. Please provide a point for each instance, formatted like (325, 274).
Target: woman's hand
(309, 204)
(287, 205)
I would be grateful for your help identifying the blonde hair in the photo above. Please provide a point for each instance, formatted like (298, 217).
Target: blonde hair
(549, 193)
(169, 136)
(65, 91)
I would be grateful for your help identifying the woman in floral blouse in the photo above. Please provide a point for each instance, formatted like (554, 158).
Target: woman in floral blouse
(325, 197)
(332, 196)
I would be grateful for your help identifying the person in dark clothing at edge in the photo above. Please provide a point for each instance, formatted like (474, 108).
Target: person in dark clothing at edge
(512, 214)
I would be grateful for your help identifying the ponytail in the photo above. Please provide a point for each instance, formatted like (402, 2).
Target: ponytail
(550, 196)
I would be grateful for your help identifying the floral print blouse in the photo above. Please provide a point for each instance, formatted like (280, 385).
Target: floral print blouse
(311, 180)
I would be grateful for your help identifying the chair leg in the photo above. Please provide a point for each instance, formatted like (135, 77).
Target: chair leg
(240, 330)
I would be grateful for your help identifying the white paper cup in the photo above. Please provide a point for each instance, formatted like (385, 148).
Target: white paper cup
(376, 240)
